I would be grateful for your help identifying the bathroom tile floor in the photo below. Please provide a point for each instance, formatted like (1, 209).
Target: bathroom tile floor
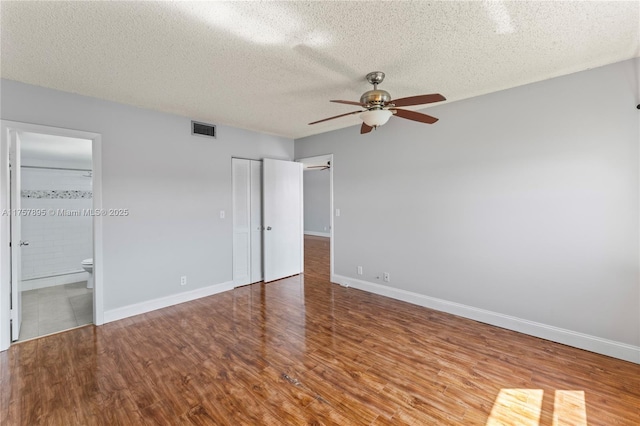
(52, 309)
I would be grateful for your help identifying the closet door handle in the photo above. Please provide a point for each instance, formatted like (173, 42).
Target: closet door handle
(24, 243)
(268, 228)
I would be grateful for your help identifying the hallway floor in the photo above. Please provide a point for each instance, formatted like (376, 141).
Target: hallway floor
(316, 259)
(53, 309)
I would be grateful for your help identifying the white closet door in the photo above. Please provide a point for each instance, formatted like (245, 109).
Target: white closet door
(241, 182)
(283, 219)
(256, 221)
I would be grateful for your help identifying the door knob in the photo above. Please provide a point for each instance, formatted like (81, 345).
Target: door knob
(24, 243)
(268, 228)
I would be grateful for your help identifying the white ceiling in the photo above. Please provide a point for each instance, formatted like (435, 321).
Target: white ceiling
(273, 66)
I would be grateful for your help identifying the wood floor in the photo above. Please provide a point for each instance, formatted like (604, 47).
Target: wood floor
(304, 351)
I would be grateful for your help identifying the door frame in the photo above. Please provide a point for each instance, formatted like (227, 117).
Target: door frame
(315, 159)
(5, 236)
(15, 230)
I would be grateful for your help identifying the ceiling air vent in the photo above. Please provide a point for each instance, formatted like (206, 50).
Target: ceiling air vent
(203, 129)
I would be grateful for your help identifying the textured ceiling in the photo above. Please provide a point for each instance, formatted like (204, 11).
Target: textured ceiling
(273, 66)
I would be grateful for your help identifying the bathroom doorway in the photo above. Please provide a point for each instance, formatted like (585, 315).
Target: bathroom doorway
(50, 277)
(56, 231)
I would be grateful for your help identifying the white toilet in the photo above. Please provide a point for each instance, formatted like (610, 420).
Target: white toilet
(87, 265)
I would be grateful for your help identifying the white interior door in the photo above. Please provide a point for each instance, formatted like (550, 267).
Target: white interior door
(247, 221)
(16, 237)
(283, 219)
(256, 221)
(241, 182)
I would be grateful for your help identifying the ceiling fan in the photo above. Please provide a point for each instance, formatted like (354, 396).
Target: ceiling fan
(379, 107)
(322, 167)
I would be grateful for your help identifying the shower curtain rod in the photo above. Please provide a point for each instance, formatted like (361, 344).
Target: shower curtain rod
(56, 168)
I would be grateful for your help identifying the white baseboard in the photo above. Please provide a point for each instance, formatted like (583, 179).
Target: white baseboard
(163, 302)
(70, 278)
(317, 234)
(555, 334)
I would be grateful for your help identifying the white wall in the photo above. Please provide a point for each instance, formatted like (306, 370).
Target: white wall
(317, 193)
(174, 185)
(57, 243)
(523, 203)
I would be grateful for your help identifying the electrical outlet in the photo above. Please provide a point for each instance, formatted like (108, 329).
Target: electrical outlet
(183, 280)
(385, 277)
(359, 270)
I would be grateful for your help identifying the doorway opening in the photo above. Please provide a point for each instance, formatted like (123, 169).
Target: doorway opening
(50, 231)
(318, 216)
(56, 279)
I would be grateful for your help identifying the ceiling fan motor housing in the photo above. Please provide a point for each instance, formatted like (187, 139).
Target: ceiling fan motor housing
(375, 98)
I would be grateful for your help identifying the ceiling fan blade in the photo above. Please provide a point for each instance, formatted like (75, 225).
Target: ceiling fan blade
(365, 129)
(337, 116)
(415, 116)
(347, 102)
(418, 100)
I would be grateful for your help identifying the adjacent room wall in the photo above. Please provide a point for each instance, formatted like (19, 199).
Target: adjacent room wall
(317, 196)
(518, 204)
(173, 183)
(58, 242)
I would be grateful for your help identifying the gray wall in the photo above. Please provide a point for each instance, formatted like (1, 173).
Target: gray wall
(317, 201)
(522, 202)
(174, 185)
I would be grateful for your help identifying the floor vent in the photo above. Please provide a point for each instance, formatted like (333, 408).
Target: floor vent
(203, 129)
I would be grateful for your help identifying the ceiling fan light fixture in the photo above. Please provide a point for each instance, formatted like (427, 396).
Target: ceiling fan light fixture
(379, 106)
(376, 117)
